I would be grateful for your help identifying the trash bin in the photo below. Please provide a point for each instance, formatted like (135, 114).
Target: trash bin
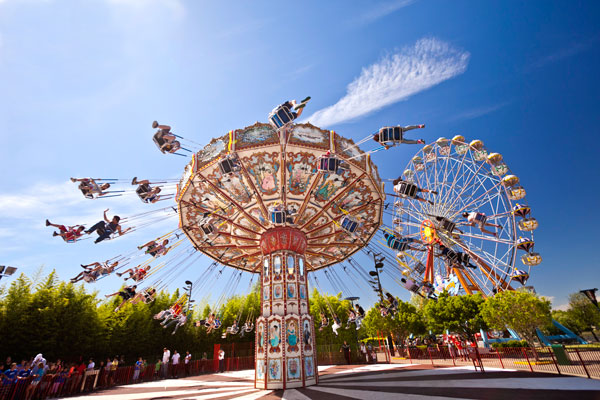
(562, 358)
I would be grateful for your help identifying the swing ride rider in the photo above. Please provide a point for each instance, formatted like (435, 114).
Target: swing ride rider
(146, 193)
(89, 187)
(136, 273)
(397, 135)
(480, 220)
(107, 227)
(169, 143)
(294, 108)
(127, 293)
(94, 271)
(398, 187)
(155, 249)
(69, 234)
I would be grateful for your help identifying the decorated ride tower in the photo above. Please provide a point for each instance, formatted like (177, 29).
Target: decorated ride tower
(282, 201)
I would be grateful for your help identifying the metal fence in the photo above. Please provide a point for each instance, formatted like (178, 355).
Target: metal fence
(582, 361)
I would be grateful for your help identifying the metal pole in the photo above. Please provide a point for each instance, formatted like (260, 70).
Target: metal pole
(583, 364)
(527, 357)
(554, 360)
(500, 358)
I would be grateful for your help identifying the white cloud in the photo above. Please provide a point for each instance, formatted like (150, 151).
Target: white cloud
(478, 112)
(380, 11)
(394, 78)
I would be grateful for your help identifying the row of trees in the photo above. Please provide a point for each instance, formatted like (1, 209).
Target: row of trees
(62, 320)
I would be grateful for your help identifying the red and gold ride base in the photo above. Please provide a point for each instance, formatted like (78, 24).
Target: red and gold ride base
(285, 337)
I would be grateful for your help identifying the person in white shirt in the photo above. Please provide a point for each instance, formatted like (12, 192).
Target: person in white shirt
(221, 360)
(175, 361)
(91, 365)
(187, 362)
(165, 360)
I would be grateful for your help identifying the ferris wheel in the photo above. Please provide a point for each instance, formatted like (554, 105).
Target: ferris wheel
(470, 213)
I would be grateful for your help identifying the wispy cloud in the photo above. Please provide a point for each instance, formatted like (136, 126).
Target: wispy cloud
(563, 53)
(380, 10)
(478, 112)
(394, 78)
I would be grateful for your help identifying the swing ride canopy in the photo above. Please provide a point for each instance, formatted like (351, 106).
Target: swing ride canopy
(229, 215)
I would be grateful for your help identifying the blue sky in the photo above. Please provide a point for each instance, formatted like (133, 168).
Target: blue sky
(82, 81)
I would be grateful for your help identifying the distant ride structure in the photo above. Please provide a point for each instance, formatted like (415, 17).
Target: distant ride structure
(471, 214)
(281, 200)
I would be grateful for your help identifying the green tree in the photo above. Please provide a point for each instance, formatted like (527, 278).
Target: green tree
(583, 314)
(460, 314)
(520, 310)
(405, 321)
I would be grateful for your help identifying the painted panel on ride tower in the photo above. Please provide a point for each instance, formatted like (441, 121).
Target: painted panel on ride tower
(263, 167)
(294, 369)
(301, 169)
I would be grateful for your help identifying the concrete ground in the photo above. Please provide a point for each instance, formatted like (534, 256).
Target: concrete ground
(372, 382)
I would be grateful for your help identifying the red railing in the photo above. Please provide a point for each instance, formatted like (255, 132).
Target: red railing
(559, 360)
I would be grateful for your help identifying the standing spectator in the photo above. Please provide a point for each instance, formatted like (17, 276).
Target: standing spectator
(203, 362)
(221, 360)
(113, 370)
(165, 362)
(10, 375)
(157, 367)
(363, 351)
(175, 366)
(91, 365)
(346, 349)
(187, 361)
(37, 377)
(137, 369)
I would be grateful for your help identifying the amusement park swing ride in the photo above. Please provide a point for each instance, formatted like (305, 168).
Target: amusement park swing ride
(282, 200)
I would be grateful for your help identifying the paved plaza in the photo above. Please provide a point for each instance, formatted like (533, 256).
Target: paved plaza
(372, 382)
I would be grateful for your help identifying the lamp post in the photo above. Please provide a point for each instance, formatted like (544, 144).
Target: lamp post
(591, 295)
(6, 271)
(375, 274)
(188, 289)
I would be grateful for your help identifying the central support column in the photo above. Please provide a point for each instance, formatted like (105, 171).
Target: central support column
(285, 337)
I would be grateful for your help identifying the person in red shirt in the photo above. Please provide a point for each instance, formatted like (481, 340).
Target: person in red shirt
(68, 234)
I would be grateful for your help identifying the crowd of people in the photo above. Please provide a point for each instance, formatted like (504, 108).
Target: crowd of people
(47, 377)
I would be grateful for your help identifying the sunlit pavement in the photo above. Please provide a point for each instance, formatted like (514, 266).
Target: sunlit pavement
(372, 382)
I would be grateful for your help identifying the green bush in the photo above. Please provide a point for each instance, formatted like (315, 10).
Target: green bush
(511, 343)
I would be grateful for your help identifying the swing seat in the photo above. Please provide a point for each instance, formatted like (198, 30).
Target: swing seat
(452, 256)
(159, 140)
(407, 189)
(445, 224)
(480, 219)
(143, 190)
(281, 116)
(229, 165)
(276, 216)
(329, 164)
(207, 228)
(391, 134)
(349, 224)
